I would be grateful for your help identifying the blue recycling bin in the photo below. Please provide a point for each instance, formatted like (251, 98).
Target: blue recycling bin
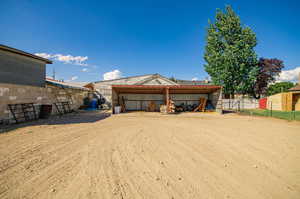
(93, 105)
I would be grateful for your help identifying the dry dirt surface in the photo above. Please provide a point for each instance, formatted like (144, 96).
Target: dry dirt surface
(149, 155)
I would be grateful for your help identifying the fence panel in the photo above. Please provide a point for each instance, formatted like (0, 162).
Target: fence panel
(238, 104)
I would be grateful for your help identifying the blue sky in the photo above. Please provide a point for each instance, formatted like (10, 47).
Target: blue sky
(141, 37)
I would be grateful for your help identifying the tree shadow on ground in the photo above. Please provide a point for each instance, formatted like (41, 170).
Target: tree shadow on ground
(71, 118)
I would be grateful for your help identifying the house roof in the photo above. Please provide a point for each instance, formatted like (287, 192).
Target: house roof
(156, 78)
(111, 80)
(191, 82)
(295, 88)
(73, 85)
(20, 52)
(139, 80)
(168, 86)
(150, 79)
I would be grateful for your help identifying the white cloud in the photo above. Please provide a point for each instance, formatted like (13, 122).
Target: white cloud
(84, 70)
(194, 79)
(74, 78)
(66, 59)
(115, 74)
(289, 75)
(44, 55)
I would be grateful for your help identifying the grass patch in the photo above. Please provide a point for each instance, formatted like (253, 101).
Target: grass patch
(286, 115)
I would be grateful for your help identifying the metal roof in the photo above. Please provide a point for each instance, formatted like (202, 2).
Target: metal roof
(192, 82)
(168, 86)
(123, 78)
(73, 85)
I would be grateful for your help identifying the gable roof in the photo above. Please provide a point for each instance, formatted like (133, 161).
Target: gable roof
(122, 78)
(139, 80)
(20, 52)
(157, 78)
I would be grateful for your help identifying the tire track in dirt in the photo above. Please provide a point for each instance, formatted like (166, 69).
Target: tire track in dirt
(145, 155)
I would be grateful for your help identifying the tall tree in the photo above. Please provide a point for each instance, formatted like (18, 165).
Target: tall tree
(229, 53)
(279, 87)
(268, 70)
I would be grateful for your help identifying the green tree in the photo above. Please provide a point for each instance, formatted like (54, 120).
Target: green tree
(229, 53)
(279, 87)
(173, 79)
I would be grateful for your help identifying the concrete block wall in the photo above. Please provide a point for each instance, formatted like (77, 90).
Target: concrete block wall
(240, 103)
(16, 94)
(216, 99)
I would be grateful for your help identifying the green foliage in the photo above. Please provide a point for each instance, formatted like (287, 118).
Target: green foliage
(173, 79)
(279, 87)
(229, 53)
(269, 69)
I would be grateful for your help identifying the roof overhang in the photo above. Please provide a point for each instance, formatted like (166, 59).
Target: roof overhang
(20, 52)
(160, 89)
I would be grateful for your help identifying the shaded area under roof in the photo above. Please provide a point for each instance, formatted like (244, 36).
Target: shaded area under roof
(160, 89)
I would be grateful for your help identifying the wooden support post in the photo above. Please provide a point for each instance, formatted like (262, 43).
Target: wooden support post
(114, 99)
(167, 99)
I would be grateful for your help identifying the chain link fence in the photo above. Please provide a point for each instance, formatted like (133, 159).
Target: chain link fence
(251, 107)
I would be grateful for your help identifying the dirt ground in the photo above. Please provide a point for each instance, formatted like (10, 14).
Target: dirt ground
(148, 155)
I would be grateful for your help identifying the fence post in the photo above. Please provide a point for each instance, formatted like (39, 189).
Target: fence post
(271, 109)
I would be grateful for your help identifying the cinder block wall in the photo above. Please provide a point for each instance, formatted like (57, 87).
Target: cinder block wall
(15, 94)
(216, 99)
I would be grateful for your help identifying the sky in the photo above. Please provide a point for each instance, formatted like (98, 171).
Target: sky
(96, 40)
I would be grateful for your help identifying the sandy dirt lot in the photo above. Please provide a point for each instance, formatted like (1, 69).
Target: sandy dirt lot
(148, 155)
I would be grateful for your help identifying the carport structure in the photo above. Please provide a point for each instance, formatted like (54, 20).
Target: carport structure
(137, 97)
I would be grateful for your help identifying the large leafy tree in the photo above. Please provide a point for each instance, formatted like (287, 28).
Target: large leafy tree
(279, 87)
(229, 53)
(269, 69)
